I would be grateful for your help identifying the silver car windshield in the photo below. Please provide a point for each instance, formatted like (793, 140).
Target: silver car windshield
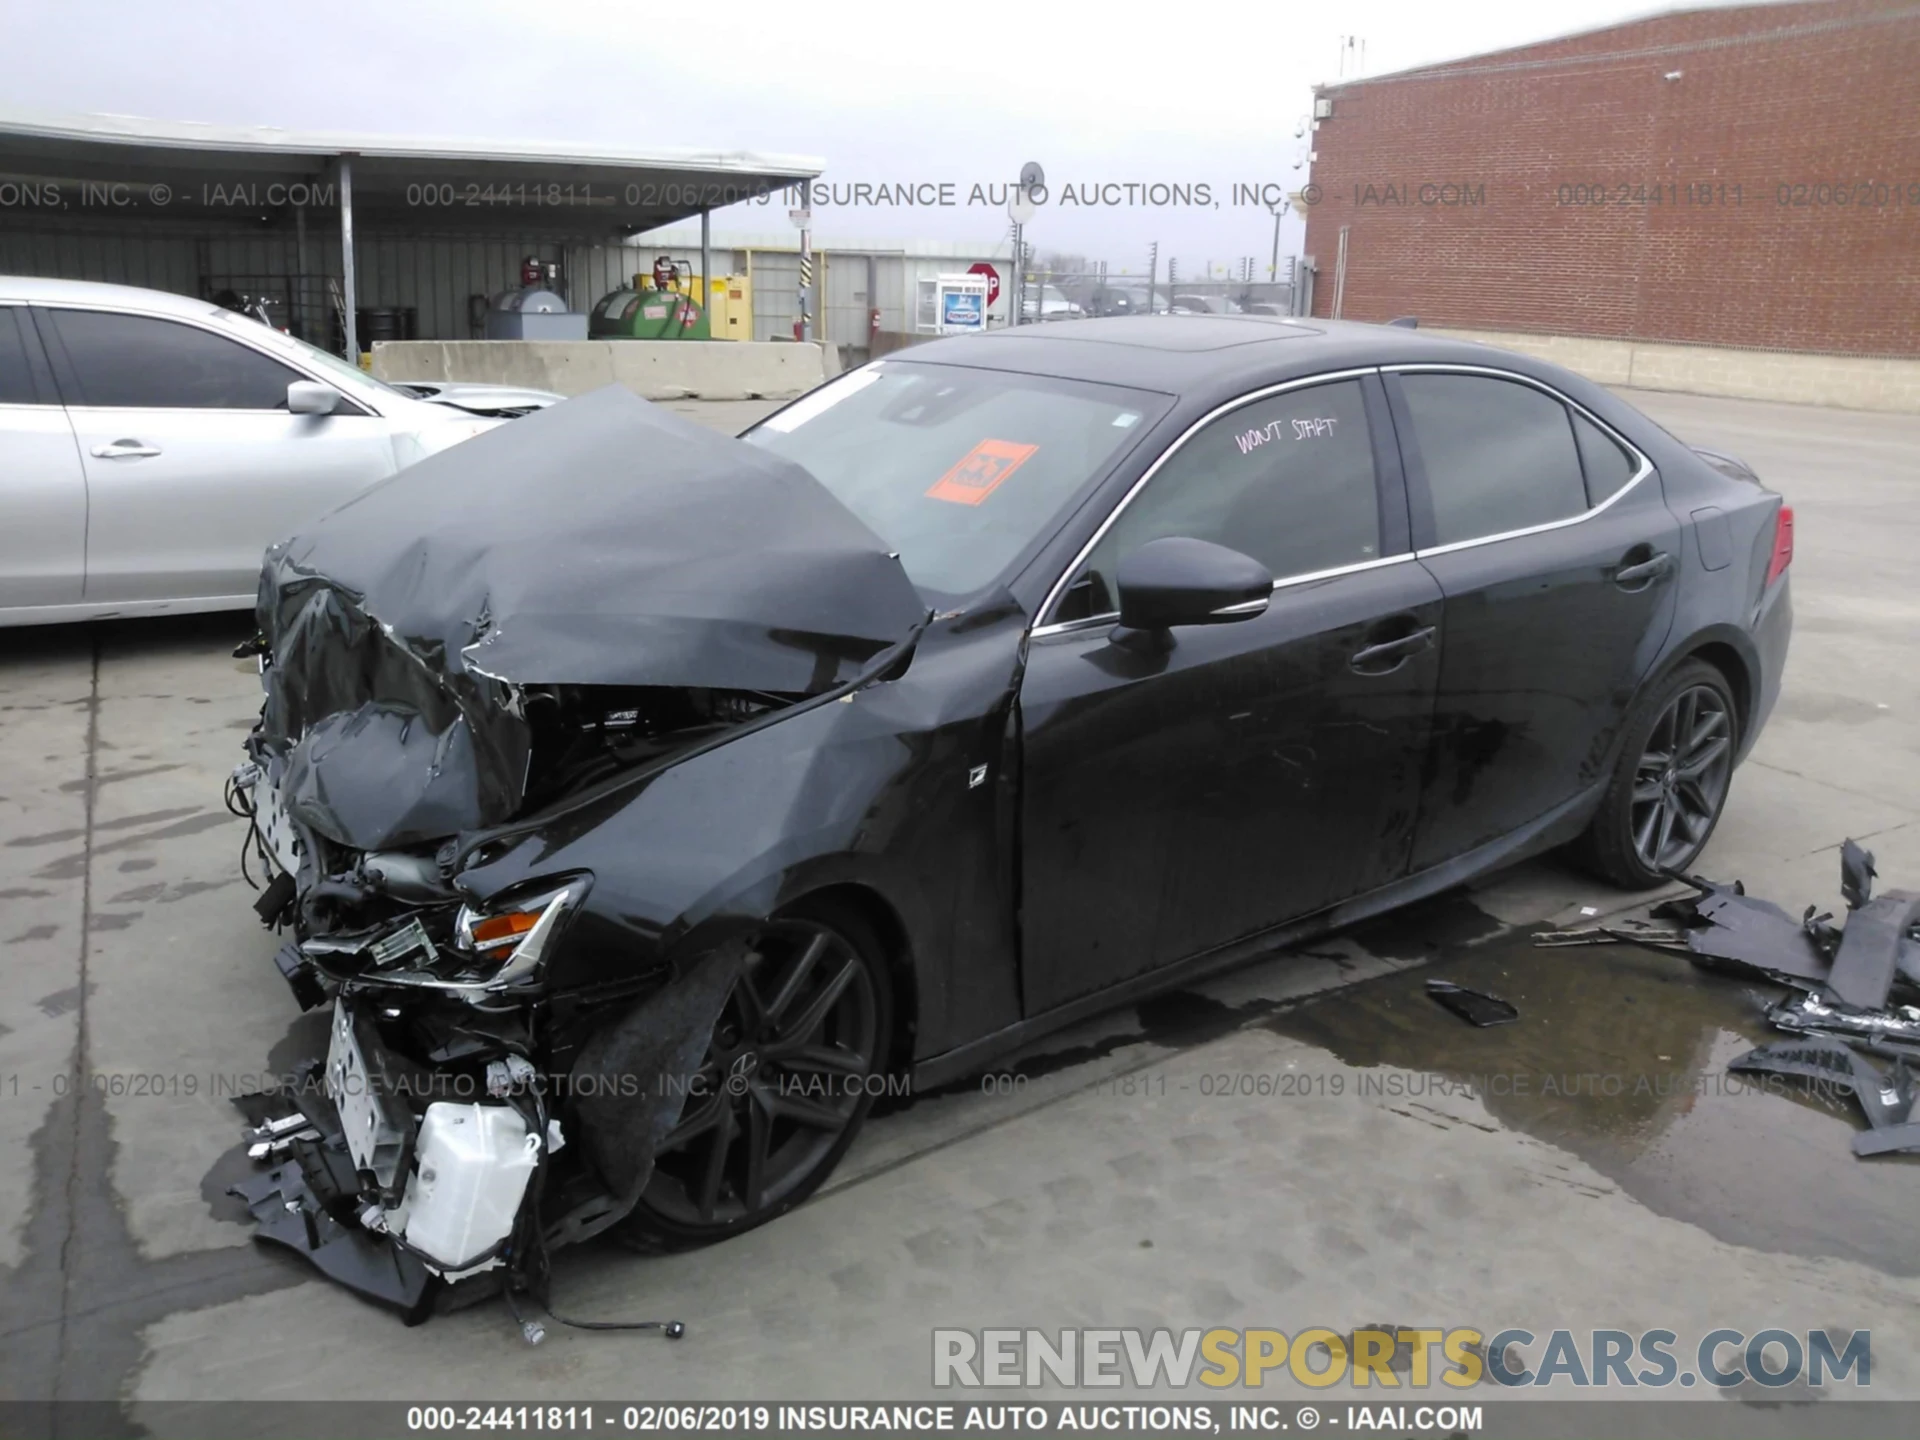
(958, 470)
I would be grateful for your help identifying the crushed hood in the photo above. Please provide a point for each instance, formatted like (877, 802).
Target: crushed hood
(601, 541)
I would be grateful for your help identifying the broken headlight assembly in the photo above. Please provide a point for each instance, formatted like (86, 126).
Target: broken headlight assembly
(473, 952)
(518, 934)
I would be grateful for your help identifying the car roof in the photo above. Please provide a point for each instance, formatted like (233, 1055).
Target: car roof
(92, 292)
(1199, 355)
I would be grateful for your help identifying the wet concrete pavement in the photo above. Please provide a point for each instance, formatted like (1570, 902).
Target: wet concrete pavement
(1130, 1172)
(1619, 1057)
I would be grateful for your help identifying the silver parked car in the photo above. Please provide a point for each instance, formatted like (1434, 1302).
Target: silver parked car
(152, 446)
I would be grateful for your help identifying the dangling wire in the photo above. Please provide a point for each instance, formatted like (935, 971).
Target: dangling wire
(538, 1257)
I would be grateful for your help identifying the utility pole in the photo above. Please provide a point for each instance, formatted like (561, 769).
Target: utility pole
(1153, 272)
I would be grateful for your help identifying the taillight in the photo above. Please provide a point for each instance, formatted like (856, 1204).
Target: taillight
(1782, 544)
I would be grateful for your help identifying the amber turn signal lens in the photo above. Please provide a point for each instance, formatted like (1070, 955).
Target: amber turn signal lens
(498, 929)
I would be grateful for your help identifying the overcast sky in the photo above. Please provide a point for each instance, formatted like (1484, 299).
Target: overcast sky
(896, 92)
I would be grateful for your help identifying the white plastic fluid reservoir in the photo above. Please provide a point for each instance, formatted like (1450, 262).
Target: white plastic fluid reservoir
(472, 1164)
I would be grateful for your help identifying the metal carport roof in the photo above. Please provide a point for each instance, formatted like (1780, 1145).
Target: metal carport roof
(191, 171)
(126, 172)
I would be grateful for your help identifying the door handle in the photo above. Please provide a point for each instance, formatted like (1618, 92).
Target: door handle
(124, 450)
(1392, 650)
(1629, 577)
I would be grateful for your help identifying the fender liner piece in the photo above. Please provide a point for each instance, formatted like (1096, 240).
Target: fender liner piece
(632, 1079)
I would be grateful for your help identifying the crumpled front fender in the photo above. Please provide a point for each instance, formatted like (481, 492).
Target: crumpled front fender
(903, 787)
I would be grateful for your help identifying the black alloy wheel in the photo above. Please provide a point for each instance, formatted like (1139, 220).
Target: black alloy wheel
(1671, 782)
(796, 1059)
(1681, 780)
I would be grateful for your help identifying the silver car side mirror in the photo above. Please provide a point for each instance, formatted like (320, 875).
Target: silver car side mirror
(310, 397)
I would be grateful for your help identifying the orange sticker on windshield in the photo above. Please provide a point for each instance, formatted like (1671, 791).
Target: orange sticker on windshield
(980, 471)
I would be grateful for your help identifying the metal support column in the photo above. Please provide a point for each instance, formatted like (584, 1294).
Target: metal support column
(873, 302)
(806, 262)
(347, 301)
(297, 292)
(706, 261)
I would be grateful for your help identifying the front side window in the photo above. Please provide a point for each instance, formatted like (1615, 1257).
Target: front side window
(138, 362)
(958, 470)
(1288, 480)
(1499, 455)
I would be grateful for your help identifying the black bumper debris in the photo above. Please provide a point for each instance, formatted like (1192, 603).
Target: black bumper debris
(289, 1213)
(1852, 981)
(1886, 1098)
(1470, 1005)
(1856, 966)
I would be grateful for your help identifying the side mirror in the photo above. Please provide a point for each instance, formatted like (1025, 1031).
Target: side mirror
(310, 397)
(1178, 581)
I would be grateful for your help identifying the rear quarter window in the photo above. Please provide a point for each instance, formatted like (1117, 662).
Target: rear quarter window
(17, 376)
(1608, 467)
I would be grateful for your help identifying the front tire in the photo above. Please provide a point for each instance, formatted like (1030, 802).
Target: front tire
(797, 1057)
(1670, 783)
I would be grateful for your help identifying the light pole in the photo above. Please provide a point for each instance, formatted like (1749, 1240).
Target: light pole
(1273, 270)
(1021, 206)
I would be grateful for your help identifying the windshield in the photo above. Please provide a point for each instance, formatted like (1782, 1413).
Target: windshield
(312, 355)
(958, 470)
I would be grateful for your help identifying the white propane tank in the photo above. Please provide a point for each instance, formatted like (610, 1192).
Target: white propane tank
(472, 1164)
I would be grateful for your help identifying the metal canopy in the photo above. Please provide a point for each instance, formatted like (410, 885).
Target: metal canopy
(118, 168)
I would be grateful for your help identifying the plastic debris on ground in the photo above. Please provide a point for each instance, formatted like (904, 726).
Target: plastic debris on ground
(1471, 1005)
(1857, 983)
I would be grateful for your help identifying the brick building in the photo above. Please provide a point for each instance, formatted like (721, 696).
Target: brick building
(1744, 178)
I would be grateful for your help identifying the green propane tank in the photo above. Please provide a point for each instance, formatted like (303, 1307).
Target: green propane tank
(660, 311)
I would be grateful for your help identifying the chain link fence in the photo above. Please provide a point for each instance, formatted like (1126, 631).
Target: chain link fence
(1048, 294)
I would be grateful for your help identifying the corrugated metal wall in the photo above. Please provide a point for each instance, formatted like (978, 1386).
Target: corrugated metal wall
(843, 299)
(438, 276)
(433, 275)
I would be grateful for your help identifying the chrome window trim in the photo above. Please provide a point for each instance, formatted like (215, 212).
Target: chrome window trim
(1646, 465)
(1239, 401)
(1646, 468)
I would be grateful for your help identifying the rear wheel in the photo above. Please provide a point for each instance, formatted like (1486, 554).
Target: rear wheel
(1670, 783)
(799, 1050)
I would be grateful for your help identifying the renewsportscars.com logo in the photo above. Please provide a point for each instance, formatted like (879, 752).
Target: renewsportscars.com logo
(1319, 1357)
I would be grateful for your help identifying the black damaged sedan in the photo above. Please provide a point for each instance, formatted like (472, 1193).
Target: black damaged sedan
(642, 802)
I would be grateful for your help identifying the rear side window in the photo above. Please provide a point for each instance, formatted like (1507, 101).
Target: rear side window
(16, 376)
(1498, 455)
(1288, 480)
(135, 361)
(1608, 466)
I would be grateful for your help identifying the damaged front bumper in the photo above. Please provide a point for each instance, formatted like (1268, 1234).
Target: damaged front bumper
(390, 1176)
(423, 1158)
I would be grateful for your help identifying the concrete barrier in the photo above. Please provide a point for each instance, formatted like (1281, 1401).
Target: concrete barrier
(655, 369)
(1844, 382)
